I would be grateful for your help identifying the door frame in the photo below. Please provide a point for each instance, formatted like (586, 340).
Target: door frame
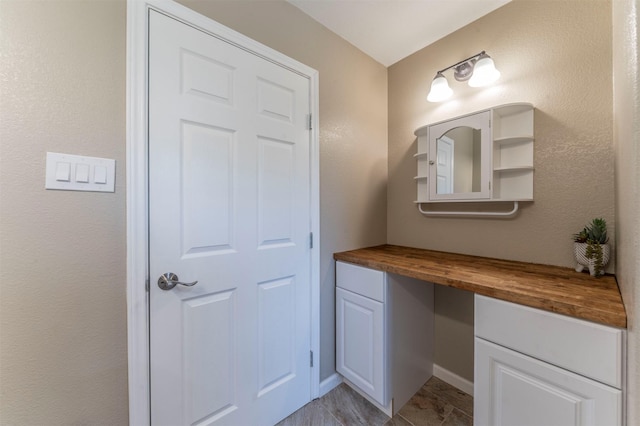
(138, 279)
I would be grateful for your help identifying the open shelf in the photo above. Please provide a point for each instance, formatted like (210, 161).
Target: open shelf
(513, 140)
(512, 169)
(513, 184)
(513, 153)
(512, 121)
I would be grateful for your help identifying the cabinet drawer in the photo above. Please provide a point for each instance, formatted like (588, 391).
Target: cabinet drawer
(584, 347)
(364, 281)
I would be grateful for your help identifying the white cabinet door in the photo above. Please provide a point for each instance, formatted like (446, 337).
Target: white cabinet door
(360, 354)
(514, 389)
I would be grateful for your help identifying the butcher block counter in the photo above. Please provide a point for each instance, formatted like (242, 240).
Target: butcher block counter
(550, 288)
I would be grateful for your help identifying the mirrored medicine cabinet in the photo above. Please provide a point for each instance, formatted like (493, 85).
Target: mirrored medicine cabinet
(485, 156)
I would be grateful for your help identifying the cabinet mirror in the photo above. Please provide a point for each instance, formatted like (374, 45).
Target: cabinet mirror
(459, 154)
(458, 161)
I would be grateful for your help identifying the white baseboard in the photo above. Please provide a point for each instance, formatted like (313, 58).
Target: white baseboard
(329, 383)
(453, 379)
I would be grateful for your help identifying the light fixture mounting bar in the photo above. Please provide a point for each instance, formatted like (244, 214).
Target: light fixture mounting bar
(477, 55)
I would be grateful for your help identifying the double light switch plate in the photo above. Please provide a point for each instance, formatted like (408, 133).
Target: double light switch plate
(80, 173)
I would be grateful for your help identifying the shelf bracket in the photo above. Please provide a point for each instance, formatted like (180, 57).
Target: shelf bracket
(470, 214)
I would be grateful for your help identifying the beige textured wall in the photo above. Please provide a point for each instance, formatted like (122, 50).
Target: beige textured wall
(353, 133)
(556, 55)
(626, 136)
(63, 335)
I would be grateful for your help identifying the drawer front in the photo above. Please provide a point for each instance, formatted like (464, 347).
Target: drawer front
(586, 348)
(364, 281)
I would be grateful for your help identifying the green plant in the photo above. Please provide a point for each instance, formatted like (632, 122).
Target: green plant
(595, 232)
(594, 235)
(594, 252)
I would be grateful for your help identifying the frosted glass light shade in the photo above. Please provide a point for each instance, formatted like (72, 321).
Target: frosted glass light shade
(440, 89)
(484, 72)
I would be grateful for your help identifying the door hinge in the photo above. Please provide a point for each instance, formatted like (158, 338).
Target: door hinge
(147, 285)
(309, 123)
(489, 184)
(310, 358)
(310, 239)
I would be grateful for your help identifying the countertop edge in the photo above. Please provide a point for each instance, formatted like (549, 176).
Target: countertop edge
(393, 259)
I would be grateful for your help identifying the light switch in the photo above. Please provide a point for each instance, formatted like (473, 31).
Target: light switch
(63, 171)
(82, 173)
(100, 174)
(67, 172)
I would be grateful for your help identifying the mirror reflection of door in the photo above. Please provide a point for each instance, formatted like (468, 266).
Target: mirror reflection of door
(460, 146)
(444, 172)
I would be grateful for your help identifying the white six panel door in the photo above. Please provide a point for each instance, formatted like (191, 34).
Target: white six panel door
(229, 203)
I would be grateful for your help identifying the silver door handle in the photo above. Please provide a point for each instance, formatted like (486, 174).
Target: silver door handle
(170, 280)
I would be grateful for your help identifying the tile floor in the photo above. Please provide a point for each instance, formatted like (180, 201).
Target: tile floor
(436, 404)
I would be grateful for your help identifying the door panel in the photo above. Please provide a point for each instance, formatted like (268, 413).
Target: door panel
(229, 206)
(204, 76)
(208, 335)
(275, 101)
(207, 189)
(276, 321)
(276, 192)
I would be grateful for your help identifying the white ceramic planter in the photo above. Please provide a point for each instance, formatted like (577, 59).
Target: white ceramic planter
(580, 252)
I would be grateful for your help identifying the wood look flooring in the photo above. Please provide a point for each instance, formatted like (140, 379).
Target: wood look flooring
(437, 403)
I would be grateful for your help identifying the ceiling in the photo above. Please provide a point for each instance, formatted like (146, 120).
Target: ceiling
(390, 30)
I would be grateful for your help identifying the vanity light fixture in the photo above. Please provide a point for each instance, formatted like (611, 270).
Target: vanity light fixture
(440, 89)
(479, 69)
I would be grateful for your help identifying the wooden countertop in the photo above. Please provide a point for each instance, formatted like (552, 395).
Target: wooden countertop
(550, 288)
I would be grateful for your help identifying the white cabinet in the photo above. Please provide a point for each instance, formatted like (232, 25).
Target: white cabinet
(384, 334)
(484, 156)
(534, 367)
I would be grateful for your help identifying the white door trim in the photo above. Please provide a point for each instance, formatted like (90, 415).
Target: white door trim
(137, 189)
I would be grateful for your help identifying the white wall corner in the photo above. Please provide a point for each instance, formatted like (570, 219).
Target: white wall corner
(330, 383)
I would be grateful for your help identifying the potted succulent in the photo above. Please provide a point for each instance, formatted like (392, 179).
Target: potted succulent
(591, 249)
